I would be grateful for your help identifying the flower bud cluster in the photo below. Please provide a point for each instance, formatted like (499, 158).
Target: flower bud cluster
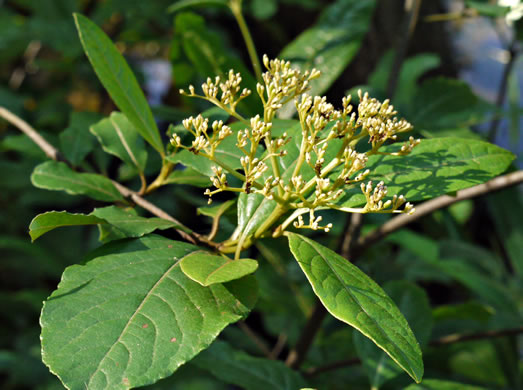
(328, 144)
(282, 84)
(230, 89)
(379, 122)
(375, 196)
(203, 141)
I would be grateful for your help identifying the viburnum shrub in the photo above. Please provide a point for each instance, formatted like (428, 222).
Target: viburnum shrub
(142, 305)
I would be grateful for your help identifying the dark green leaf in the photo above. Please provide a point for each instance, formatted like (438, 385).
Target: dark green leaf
(53, 175)
(188, 176)
(414, 304)
(435, 167)
(208, 269)
(437, 384)
(46, 222)
(119, 137)
(330, 44)
(118, 79)
(354, 298)
(442, 103)
(181, 4)
(76, 141)
(131, 224)
(131, 317)
(251, 373)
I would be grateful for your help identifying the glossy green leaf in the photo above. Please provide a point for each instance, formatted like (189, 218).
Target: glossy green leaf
(131, 224)
(53, 175)
(188, 176)
(118, 79)
(414, 304)
(181, 4)
(119, 137)
(130, 317)
(248, 372)
(354, 298)
(330, 44)
(486, 9)
(438, 384)
(46, 222)
(208, 269)
(435, 167)
(76, 141)
(442, 103)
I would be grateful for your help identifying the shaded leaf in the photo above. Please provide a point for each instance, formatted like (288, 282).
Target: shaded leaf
(118, 79)
(181, 4)
(435, 167)
(131, 317)
(188, 176)
(75, 141)
(438, 384)
(208, 269)
(53, 175)
(119, 137)
(251, 373)
(330, 44)
(414, 304)
(46, 222)
(354, 298)
(130, 224)
(446, 103)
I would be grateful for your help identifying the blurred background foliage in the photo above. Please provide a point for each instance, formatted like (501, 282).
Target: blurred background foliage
(451, 67)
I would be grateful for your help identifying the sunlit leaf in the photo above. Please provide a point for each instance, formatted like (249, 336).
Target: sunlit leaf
(208, 269)
(130, 317)
(354, 298)
(118, 79)
(46, 222)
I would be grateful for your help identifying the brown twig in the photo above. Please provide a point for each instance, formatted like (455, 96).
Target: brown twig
(432, 205)
(54, 154)
(260, 343)
(445, 340)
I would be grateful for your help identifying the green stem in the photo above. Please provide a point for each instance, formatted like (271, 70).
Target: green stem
(236, 8)
(167, 167)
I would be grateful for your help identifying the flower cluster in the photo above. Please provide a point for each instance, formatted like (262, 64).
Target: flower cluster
(328, 160)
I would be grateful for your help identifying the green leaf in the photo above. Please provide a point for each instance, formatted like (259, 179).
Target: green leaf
(181, 4)
(75, 141)
(251, 373)
(118, 79)
(414, 304)
(209, 269)
(435, 167)
(130, 224)
(442, 103)
(46, 222)
(53, 175)
(437, 384)
(330, 44)
(188, 176)
(354, 298)
(119, 137)
(489, 10)
(130, 317)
